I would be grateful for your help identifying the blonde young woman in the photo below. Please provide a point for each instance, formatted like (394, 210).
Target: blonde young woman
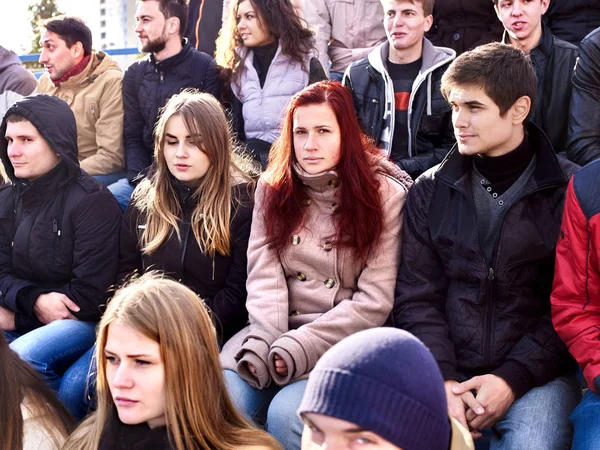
(159, 379)
(31, 417)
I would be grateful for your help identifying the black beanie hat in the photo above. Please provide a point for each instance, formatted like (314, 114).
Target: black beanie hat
(386, 381)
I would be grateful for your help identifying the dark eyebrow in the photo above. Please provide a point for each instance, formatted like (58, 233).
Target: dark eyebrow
(474, 103)
(141, 355)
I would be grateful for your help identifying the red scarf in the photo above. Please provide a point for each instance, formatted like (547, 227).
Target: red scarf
(76, 70)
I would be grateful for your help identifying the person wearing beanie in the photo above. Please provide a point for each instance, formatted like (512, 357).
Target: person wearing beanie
(381, 387)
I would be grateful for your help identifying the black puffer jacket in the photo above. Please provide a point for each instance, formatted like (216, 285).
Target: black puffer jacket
(572, 20)
(220, 281)
(147, 86)
(478, 319)
(583, 143)
(464, 24)
(553, 62)
(59, 233)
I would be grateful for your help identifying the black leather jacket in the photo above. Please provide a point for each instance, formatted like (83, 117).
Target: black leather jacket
(583, 143)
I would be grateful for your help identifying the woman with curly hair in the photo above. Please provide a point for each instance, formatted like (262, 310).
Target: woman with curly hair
(267, 56)
(323, 255)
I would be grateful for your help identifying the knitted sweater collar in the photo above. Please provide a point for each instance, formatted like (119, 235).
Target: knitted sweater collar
(76, 70)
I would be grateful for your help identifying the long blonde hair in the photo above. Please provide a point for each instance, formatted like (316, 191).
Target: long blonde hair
(156, 197)
(199, 413)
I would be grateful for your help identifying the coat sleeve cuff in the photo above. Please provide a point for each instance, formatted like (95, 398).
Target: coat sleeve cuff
(449, 371)
(289, 362)
(26, 298)
(293, 354)
(25, 324)
(517, 376)
(263, 379)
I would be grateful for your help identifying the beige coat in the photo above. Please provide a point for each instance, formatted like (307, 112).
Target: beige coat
(346, 31)
(316, 294)
(35, 434)
(95, 97)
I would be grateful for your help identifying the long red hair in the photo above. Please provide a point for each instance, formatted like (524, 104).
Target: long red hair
(359, 217)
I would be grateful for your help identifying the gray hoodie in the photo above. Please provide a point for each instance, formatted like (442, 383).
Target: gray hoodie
(15, 81)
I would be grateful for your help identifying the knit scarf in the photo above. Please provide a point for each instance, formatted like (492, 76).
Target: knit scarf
(76, 70)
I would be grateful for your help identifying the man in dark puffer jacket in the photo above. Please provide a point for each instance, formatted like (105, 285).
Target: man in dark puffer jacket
(479, 236)
(59, 238)
(172, 65)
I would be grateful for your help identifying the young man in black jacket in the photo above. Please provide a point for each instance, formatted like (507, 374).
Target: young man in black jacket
(171, 66)
(59, 238)
(479, 237)
(553, 62)
(396, 89)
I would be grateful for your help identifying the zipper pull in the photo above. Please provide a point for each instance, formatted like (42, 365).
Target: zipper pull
(54, 226)
(162, 77)
(491, 274)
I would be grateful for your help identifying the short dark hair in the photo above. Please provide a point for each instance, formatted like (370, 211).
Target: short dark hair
(504, 72)
(71, 30)
(175, 8)
(426, 4)
(16, 118)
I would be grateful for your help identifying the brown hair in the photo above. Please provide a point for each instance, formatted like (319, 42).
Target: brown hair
(199, 413)
(174, 8)
(20, 384)
(504, 73)
(426, 4)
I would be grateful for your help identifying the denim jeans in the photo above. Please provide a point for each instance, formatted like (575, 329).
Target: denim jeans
(77, 390)
(537, 421)
(336, 76)
(55, 347)
(586, 421)
(122, 191)
(110, 178)
(274, 407)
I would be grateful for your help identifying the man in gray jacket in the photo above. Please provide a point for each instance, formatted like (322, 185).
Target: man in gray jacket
(396, 89)
(15, 81)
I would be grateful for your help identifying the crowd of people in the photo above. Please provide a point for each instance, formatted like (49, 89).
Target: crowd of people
(367, 224)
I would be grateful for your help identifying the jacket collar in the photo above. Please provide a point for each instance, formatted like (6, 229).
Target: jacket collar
(544, 47)
(455, 169)
(320, 183)
(174, 60)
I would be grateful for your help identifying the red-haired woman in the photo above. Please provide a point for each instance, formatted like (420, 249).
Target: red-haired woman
(322, 256)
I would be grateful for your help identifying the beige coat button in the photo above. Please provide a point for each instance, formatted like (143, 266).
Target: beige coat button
(294, 313)
(327, 246)
(333, 183)
(329, 283)
(301, 276)
(334, 207)
(295, 239)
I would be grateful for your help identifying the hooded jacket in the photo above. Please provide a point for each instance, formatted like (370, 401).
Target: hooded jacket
(479, 318)
(147, 86)
(219, 280)
(553, 63)
(59, 233)
(95, 97)
(314, 294)
(430, 131)
(15, 80)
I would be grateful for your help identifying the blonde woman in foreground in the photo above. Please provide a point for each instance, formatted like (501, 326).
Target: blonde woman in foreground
(159, 379)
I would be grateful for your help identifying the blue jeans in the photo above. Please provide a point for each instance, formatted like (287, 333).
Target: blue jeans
(110, 178)
(586, 421)
(55, 347)
(122, 191)
(77, 390)
(537, 421)
(274, 407)
(336, 76)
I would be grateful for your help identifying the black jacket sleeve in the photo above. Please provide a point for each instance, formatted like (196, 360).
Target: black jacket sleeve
(130, 255)
(229, 304)
(138, 158)
(420, 303)
(96, 223)
(583, 140)
(212, 78)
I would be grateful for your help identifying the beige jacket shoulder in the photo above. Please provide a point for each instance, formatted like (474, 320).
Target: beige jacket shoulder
(96, 99)
(35, 435)
(345, 31)
(315, 294)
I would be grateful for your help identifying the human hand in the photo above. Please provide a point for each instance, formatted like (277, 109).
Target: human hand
(493, 394)
(280, 366)
(252, 370)
(7, 320)
(54, 306)
(458, 405)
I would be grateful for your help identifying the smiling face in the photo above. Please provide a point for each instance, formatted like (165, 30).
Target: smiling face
(478, 126)
(405, 25)
(522, 19)
(29, 153)
(185, 160)
(250, 26)
(151, 27)
(56, 57)
(324, 432)
(317, 138)
(136, 376)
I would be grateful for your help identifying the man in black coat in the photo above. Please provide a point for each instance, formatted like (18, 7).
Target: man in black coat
(553, 62)
(59, 238)
(171, 66)
(572, 20)
(478, 245)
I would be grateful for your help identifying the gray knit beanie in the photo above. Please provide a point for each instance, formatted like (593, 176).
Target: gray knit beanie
(386, 381)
